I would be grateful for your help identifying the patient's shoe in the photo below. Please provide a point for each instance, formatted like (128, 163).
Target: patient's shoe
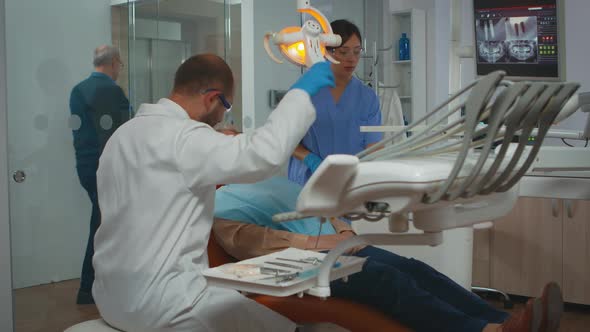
(528, 320)
(552, 304)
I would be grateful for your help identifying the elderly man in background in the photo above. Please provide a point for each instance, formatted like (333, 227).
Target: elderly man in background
(101, 106)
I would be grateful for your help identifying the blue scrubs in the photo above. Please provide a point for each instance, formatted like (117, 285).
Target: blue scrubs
(336, 129)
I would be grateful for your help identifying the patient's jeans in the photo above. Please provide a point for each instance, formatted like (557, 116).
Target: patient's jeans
(415, 294)
(87, 278)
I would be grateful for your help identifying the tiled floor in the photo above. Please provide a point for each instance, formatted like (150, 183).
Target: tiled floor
(52, 308)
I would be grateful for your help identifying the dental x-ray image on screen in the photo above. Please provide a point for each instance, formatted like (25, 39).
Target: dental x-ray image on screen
(508, 40)
(520, 37)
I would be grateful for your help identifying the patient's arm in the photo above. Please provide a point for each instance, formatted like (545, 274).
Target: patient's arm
(243, 241)
(340, 226)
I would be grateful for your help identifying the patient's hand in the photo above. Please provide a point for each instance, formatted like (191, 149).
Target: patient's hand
(229, 131)
(327, 242)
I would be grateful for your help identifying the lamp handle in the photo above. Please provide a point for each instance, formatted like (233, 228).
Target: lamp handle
(267, 47)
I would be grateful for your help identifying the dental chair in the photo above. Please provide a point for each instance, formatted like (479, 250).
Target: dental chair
(310, 309)
(462, 169)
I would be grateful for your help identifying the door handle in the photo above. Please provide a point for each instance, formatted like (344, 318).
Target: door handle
(19, 176)
(554, 208)
(569, 208)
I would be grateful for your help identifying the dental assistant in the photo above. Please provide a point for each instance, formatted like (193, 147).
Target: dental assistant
(156, 189)
(341, 110)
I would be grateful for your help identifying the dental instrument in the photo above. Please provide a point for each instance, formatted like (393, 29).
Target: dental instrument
(307, 260)
(291, 266)
(270, 270)
(282, 278)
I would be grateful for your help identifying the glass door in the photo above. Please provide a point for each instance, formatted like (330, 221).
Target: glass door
(47, 48)
(162, 34)
(154, 64)
(47, 54)
(6, 310)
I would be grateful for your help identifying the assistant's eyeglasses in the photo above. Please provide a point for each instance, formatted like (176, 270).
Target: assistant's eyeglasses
(346, 52)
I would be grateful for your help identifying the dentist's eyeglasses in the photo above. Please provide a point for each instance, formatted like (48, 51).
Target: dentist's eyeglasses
(226, 104)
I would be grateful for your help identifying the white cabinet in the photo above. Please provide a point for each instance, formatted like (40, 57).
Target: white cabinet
(409, 75)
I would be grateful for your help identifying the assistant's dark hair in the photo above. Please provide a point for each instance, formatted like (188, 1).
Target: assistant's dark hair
(345, 29)
(203, 71)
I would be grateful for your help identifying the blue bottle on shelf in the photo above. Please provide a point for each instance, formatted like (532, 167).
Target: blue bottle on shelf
(404, 48)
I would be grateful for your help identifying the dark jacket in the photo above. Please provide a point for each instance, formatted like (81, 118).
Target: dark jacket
(102, 107)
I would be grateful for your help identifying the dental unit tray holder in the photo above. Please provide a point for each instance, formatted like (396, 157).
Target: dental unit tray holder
(298, 281)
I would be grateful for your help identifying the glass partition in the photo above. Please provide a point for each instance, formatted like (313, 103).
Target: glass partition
(157, 36)
(49, 50)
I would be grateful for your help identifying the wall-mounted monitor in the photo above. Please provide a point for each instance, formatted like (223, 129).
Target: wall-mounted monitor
(522, 37)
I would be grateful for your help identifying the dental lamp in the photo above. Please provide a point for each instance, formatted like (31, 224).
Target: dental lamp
(305, 45)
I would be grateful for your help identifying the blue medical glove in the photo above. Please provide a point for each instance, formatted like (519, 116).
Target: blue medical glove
(312, 161)
(318, 76)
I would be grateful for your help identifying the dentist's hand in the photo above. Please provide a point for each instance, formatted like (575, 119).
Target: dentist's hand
(318, 76)
(312, 161)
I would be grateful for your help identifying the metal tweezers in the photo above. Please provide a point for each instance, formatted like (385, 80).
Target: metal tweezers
(285, 265)
(270, 270)
(307, 260)
(283, 277)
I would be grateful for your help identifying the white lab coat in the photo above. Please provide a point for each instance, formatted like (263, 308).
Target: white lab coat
(156, 188)
(391, 111)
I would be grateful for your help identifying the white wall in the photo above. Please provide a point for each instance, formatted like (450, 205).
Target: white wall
(260, 73)
(577, 42)
(6, 320)
(441, 45)
(49, 49)
(577, 66)
(442, 35)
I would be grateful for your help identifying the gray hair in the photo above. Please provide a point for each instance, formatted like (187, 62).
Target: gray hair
(104, 55)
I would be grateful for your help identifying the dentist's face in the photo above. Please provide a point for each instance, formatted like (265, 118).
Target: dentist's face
(217, 109)
(349, 55)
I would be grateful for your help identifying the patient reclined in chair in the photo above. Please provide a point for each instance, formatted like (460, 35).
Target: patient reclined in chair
(404, 289)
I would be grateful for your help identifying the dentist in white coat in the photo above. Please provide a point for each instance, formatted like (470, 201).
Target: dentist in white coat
(156, 188)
